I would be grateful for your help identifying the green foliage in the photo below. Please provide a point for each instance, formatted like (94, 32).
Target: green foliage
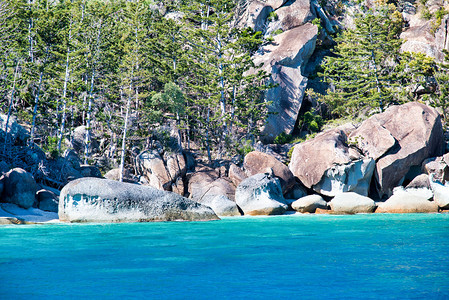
(51, 147)
(282, 138)
(245, 147)
(272, 16)
(278, 31)
(363, 74)
(425, 13)
(317, 22)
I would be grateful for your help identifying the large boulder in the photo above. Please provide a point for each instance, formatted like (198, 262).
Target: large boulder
(422, 36)
(103, 200)
(19, 188)
(417, 133)
(256, 15)
(352, 203)
(283, 59)
(260, 194)
(420, 181)
(257, 162)
(403, 201)
(295, 14)
(114, 174)
(329, 166)
(151, 165)
(207, 188)
(309, 204)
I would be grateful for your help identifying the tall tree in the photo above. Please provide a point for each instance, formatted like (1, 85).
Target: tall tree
(363, 71)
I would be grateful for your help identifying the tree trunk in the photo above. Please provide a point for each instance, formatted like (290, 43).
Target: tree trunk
(125, 129)
(11, 101)
(36, 104)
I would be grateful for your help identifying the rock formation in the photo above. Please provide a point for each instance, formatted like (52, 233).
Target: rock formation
(257, 162)
(352, 203)
(19, 188)
(260, 194)
(103, 200)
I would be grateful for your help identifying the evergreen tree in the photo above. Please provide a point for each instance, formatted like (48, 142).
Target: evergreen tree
(363, 72)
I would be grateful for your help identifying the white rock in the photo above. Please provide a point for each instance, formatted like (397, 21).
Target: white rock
(352, 203)
(309, 204)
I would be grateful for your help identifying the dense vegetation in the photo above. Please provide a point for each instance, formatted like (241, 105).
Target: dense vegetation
(367, 71)
(132, 71)
(127, 69)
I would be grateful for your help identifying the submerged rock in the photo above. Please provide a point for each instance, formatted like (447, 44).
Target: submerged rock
(260, 194)
(103, 200)
(352, 203)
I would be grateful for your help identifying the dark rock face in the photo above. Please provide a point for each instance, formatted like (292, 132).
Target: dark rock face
(19, 188)
(47, 200)
(257, 162)
(260, 194)
(103, 200)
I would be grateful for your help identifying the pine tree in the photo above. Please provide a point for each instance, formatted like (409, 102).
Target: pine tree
(363, 72)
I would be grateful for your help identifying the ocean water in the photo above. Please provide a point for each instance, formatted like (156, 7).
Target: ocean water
(300, 256)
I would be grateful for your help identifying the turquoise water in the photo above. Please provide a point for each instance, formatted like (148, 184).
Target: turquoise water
(309, 256)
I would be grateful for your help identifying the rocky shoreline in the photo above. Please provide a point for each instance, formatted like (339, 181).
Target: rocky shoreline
(394, 162)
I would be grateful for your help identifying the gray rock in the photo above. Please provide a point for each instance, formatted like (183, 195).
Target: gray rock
(221, 205)
(420, 181)
(103, 200)
(90, 171)
(283, 59)
(15, 130)
(352, 177)
(151, 165)
(418, 134)
(352, 203)
(78, 142)
(260, 194)
(440, 191)
(438, 167)
(47, 200)
(309, 204)
(257, 162)
(403, 201)
(114, 174)
(236, 174)
(295, 14)
(296, 192)
(19, 188)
